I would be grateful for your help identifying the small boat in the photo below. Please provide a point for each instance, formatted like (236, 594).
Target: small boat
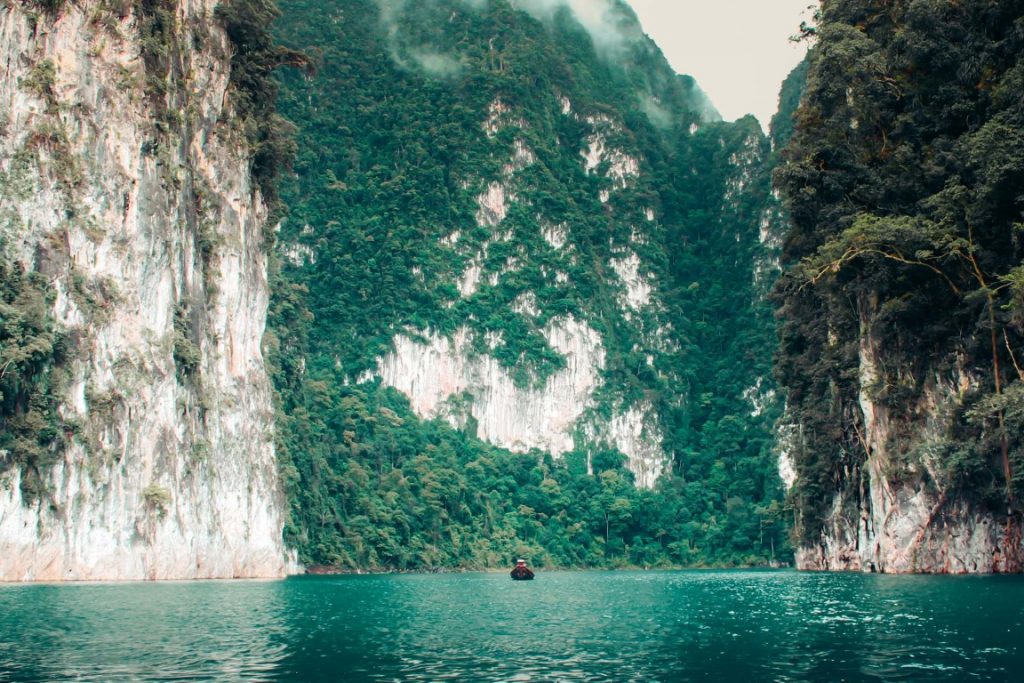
(521, 572)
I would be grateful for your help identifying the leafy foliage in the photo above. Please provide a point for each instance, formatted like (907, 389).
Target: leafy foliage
(903, 180)
(394, 492)
(32, 354)
(392, 155)
(255, 59)
(783, 123)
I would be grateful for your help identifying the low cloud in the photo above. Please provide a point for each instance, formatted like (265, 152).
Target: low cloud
(611, 24)
(426, 58)
(436, 64)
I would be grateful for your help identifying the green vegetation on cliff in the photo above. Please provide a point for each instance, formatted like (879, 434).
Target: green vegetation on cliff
(393, 153)
(36, 348)
(904, 264)
(32, 354)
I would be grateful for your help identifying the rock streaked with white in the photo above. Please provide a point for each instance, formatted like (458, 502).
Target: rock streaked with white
(493, 204)
(499, 116)
(636, 433)
(638, 290)
(621, 166)
(910, 524)
(510, 416)
(203, 451)
(555, 235)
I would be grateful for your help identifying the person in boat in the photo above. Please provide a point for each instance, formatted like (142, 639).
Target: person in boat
(521, 572)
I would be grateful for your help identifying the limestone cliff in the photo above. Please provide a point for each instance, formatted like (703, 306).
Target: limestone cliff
(900, 515)
(560, 414)
(901, 307)
(499, 221)
(125, 184)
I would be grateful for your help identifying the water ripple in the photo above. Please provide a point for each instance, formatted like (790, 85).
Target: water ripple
(616, 627)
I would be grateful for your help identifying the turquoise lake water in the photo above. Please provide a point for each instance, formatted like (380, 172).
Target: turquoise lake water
(743, 626)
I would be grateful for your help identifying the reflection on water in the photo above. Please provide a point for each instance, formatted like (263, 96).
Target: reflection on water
(153, 632)
(629, 626)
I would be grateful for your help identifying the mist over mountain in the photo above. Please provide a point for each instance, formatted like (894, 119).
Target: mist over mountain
(521, 301)
(393, 285)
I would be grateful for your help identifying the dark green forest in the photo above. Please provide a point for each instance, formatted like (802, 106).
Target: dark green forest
(846, 292)
(904, 183)
(391, 154)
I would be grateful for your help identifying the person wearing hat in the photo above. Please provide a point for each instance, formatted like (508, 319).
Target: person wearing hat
(521, 572)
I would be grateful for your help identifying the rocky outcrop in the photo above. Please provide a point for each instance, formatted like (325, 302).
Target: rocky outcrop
(912, 531)
(444, 377)
(126, 184)
(897, 514)
(574, 408)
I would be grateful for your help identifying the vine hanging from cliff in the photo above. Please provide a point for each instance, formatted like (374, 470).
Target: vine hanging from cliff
(33, 352)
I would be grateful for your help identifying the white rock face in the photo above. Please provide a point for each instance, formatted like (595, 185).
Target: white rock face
(526, 305)
(493, 204)
(499, 115)
(469, 282)
(299, 254)
(787, 472)
(622, 167)
(522, 157)
(759, 398)
(638, 290)
(637, 434)
(512, 417)
(172, 477)
(746, 162)
(443, 378)
(556, 235)
(909, 526)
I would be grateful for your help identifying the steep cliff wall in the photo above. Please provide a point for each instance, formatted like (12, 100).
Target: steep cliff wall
(125, 188)
(520, 304)
(901, 300)
(904, 515)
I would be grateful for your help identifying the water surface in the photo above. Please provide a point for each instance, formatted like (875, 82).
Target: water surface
(565, 626)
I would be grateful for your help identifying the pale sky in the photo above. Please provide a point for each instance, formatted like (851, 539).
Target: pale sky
(738, 50)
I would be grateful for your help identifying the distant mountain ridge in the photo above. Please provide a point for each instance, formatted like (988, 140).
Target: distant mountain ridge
(509, 237)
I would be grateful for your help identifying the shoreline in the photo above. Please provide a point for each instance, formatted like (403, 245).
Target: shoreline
(325, 570)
